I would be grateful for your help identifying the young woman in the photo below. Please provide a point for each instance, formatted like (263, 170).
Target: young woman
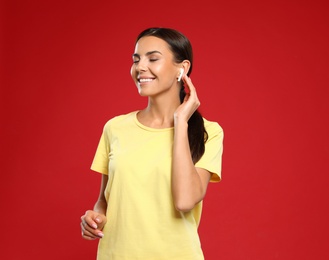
(155, 163)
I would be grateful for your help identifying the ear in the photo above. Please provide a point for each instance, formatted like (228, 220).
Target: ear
(186, 65)
(184, 69)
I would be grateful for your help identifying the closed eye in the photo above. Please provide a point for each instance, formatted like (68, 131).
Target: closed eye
(136, 58)
(151, 54)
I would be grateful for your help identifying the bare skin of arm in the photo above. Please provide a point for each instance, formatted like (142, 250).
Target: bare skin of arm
(189, 184)
(93, 221)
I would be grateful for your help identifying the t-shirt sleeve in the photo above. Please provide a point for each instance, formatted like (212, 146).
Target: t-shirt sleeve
(101, 158)
(212, 157)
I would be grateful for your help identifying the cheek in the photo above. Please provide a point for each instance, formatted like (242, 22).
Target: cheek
(159, 70)
(132, 71)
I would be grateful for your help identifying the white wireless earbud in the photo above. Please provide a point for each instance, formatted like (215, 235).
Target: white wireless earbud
(181, 74)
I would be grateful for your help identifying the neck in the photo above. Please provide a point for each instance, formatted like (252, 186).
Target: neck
(159, 112)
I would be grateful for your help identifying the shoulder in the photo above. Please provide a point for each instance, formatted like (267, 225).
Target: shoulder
(212, 127)
(120, 120)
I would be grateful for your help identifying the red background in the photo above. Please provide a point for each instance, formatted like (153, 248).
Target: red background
(261, 70)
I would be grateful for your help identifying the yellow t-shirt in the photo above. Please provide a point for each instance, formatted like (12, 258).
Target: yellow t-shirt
(142, 221)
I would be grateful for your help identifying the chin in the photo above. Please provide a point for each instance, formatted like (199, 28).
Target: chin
(145, 92)
(142, 93)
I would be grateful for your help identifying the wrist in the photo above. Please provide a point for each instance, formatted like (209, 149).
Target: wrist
(179, 120)
(180, 123)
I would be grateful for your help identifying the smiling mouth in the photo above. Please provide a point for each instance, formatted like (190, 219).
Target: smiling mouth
(144, 80)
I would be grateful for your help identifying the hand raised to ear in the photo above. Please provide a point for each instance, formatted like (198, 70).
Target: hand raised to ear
(190, 103)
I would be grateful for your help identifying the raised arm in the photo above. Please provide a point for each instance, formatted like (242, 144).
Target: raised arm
(189, 184)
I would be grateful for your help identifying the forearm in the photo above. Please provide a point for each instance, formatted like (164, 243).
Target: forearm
(100, 206)
(187, 186)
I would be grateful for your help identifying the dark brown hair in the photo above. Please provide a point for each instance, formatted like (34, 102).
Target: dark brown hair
(182, 50)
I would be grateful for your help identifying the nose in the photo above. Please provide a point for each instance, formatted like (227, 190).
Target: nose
(141, 66)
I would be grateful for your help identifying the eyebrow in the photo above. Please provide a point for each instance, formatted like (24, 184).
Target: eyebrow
(147, 54)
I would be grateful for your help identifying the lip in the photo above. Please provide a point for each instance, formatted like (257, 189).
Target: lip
(142, 80)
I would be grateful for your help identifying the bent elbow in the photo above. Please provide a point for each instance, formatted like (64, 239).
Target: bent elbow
(184, 206)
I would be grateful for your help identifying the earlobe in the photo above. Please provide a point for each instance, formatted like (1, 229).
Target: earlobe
(181, 74)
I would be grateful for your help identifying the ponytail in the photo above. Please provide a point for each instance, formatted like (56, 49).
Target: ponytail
(197, 134)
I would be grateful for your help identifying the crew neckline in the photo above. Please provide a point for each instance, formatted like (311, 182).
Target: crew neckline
(149, 128)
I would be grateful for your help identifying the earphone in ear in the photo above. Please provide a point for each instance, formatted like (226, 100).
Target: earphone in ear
(181, 74)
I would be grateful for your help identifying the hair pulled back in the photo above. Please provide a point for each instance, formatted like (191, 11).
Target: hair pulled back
(182, 50)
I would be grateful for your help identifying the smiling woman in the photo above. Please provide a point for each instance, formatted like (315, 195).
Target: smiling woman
(154, 66)
(156, 163)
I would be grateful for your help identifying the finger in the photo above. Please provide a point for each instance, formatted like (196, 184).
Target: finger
(191, 96)
(89, 232)
(101, 226)
(99, 219)
(186, 83)
(91, 229)
(96, 233)
(89, 221)
(189, 86)
(86, 228)
(89, 236)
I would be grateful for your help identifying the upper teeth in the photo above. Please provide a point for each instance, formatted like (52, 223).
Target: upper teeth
(144, 80)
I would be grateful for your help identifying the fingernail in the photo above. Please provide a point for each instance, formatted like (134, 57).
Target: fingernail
(100, 234)
(94, 225)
